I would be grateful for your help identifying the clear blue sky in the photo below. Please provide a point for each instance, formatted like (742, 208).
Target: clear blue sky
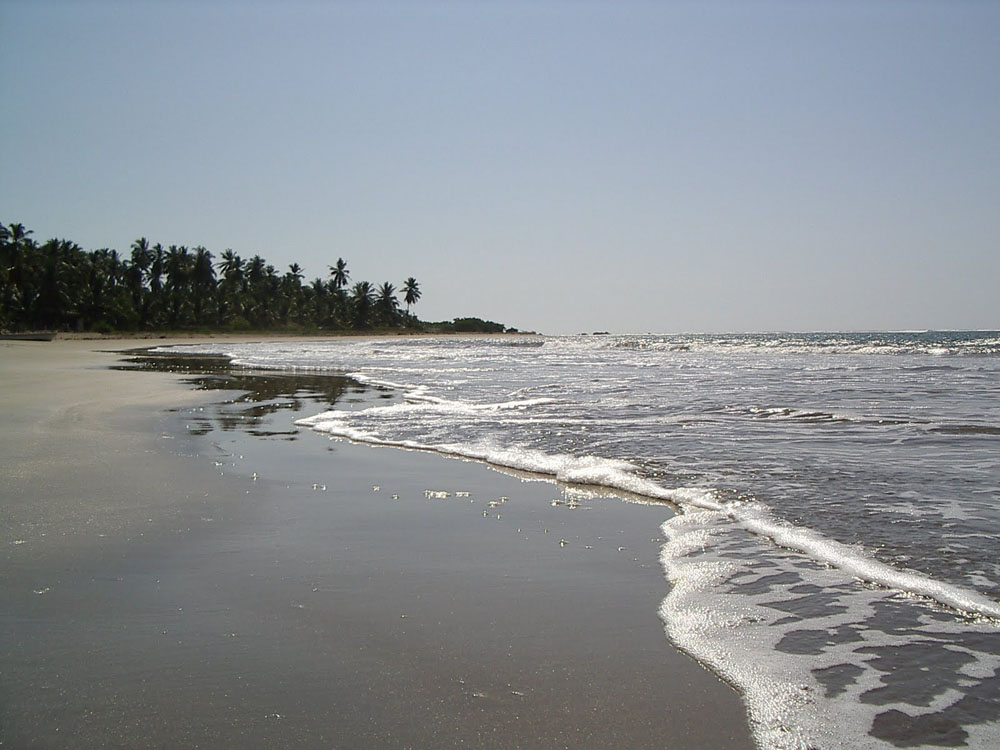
(557, 166)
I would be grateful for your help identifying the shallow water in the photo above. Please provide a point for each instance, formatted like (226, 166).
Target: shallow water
(836, 557)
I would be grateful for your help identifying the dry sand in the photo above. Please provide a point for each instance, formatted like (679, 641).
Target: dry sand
(154, 593)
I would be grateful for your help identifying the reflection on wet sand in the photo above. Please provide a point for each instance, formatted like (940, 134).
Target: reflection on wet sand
(258, 394)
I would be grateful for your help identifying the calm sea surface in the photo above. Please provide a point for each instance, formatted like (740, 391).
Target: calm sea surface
(837, 550)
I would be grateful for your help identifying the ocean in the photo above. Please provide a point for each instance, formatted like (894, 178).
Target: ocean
(833, 550)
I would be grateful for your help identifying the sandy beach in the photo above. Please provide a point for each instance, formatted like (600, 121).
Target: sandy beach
(180, 571)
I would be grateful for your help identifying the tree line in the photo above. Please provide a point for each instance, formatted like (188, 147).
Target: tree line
(57, 285)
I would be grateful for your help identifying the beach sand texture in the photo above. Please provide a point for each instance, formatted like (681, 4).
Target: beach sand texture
(171, 579)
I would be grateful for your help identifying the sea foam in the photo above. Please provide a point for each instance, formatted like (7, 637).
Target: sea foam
(621, 475)
(806, 675)
(566, 468)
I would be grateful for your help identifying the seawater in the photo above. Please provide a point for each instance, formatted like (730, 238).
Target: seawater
(834, 553)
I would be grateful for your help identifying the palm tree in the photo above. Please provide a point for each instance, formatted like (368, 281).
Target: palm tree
(142, 256)
(255, 269)
(320, 302)
(268, 297)
(177, 266)
(291, 293)
(4, 239)
(339, 276)
(17, 246)
(362, 294)
(339, 273)
(136, 274)
(386, 304)
(99, 288)
(202, 281)
(411, 293)
(254, 273)
(17, 236)
(231, 268)
(54, 300)
(156, 270)
(231, 265)
(4, 270)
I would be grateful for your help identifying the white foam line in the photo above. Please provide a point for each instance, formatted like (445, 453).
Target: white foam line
(620, 475)
(855, 562)
(369, 380)
(565, 468)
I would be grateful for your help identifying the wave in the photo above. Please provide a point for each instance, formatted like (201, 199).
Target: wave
(615, 474)
(966, 429)
(806, 416)
(800, 415)
(934, 344)
(419, 395)
(808, 649)
(856, 562)
(592, 471)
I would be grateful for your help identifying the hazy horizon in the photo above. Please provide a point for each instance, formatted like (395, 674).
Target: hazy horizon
(566, 168)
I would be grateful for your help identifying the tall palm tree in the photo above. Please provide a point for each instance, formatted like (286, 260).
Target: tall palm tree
(17, 247)
(58, 287)
(157, 267)
(255, 270)
(98, 287)
(231, 268)
(254, 302)
(411, 293)
(320, 302)
(291, 293)
(268, 297)
(230, 265)
(339, 274)
(177, 266)
(142, 256)
(4, 271)
(136, 275)
(386, 304)
(17, 235)
(362, 295)
(202, 282)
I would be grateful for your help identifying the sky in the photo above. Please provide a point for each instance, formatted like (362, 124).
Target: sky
(556, 166)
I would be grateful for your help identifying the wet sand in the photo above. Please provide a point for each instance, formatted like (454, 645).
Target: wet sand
(179, 571)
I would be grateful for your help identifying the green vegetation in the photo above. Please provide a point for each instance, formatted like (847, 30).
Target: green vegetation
(57, 286)
(469, 325)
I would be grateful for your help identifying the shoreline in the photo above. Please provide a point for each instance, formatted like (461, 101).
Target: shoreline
(197, 588)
